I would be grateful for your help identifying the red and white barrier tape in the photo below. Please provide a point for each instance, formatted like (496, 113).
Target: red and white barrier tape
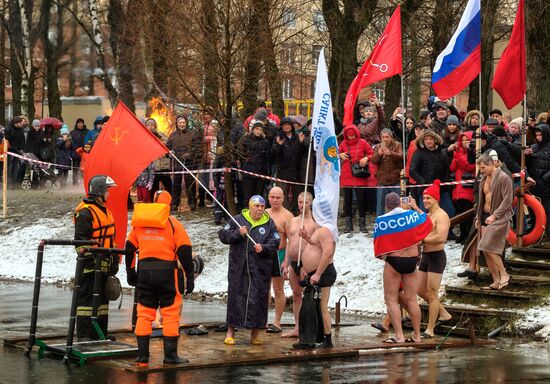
(38, 161)
(271, 178)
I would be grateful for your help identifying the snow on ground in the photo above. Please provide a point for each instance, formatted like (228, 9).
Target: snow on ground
(359, 273)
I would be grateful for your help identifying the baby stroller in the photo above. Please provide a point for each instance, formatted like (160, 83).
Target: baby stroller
(38, 174)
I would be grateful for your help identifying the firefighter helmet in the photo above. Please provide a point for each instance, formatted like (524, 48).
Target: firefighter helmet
(98, 185)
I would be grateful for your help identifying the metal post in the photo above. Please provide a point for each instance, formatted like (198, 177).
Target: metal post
(5, 181)
(96, 295)
(72, 319)
(521, 201)
(403, 181)
(35, 297)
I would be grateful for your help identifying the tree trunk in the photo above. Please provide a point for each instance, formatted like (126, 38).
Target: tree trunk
(538, 57)
(228, 83)
(487, 59)
(442, 27)
(123, 40)
(52, 49)
(100, 52)
(73, 48)
(25, 62)
(393, 84)
(209, 54)
(252, 66)
(15, 35)
(271, 67)
(2, 68)
(345, 29)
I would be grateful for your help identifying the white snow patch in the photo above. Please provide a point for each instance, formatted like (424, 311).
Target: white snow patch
(359, 272)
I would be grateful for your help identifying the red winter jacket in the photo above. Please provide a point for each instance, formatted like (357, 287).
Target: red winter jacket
(356, 149)
(459, 166)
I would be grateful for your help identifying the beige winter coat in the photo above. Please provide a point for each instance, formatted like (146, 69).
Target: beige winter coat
(502, 195)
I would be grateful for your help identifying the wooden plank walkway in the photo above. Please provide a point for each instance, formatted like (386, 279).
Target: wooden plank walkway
(504, 293)
(534, 265)
(210, 351)
(457, 310)
(520, 279)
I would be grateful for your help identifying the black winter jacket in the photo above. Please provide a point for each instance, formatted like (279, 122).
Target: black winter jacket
(78, 136)
(34, 142)
(255, 155)
(428, 165)
(15, 136)
(504, 156)
(538, 163)
(288, 156)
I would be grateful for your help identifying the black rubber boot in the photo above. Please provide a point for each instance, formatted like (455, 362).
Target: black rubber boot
(171, 351)
(143, 351)
(349, 225)
(362, 225)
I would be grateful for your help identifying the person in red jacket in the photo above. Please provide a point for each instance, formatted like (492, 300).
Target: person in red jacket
(463, 194)
(354, 150)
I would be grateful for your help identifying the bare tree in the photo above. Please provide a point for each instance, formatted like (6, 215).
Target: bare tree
(97, 36)
(346, 23)
(538, 57)
(54, 49)
(3, 66)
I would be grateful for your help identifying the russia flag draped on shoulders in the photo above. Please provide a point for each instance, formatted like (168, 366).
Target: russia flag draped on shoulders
(460, 61)
(327, 178)
(399, 229)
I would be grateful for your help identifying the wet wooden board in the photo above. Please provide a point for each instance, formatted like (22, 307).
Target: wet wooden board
(520, 279)
(543, 253)
(457, 310)
(503, 293)
(209, 351)
(537, 266)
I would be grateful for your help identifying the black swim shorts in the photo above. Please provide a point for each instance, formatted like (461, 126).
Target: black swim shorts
(327, 278)
(433, 261)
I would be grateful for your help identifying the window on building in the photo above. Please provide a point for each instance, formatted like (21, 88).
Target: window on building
(8, 111)
(289, 18)
(319, 21)
(315, 50)
(7, 78)
(287, 89)
(313, 83)
(288, 55)
(380, 95)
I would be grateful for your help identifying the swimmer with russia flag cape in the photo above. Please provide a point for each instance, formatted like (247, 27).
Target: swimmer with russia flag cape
(399, 229)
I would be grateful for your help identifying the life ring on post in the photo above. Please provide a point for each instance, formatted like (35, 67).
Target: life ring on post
(540, 222)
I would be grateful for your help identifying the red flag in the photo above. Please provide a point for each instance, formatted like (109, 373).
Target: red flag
(122, 150)
(510, 80)
(384, 61)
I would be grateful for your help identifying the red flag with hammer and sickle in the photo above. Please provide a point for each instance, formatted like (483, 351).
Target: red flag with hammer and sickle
(122, 150)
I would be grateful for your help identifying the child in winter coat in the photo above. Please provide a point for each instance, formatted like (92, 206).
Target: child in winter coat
(144, 184)
(65, 155)
(84, 153)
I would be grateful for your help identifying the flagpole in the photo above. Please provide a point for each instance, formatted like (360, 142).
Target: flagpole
(521, 201)
(404, 129)
(305, 200)
(209, 193)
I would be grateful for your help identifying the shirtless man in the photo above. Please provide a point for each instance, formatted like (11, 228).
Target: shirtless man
(281, 216)
(318, 267)
(433, 260)
(494, 212)
(291, 257)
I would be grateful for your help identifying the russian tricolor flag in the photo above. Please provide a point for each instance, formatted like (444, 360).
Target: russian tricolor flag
(399, 229)
(460, 61)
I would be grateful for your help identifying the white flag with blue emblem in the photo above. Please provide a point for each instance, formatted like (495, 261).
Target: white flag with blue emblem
(327, 176)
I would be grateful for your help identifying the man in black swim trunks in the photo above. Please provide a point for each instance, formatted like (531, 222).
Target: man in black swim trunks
(433, 260)
(318, 267)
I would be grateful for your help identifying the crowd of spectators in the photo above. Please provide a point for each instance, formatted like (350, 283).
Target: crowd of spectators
(438, 144)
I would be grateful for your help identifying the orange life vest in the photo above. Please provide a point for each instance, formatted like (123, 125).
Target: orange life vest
(103, 224)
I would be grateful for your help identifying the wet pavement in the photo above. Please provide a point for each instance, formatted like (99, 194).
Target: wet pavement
(509, 361)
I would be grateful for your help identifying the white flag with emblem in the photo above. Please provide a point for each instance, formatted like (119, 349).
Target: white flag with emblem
(327, 176)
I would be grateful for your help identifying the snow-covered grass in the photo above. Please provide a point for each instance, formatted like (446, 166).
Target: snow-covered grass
(359, 273)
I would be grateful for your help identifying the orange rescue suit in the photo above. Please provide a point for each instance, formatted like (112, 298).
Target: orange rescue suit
(162, 242)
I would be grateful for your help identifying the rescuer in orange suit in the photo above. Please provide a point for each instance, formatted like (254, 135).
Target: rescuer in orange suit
(93, 221)
(162, 242)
